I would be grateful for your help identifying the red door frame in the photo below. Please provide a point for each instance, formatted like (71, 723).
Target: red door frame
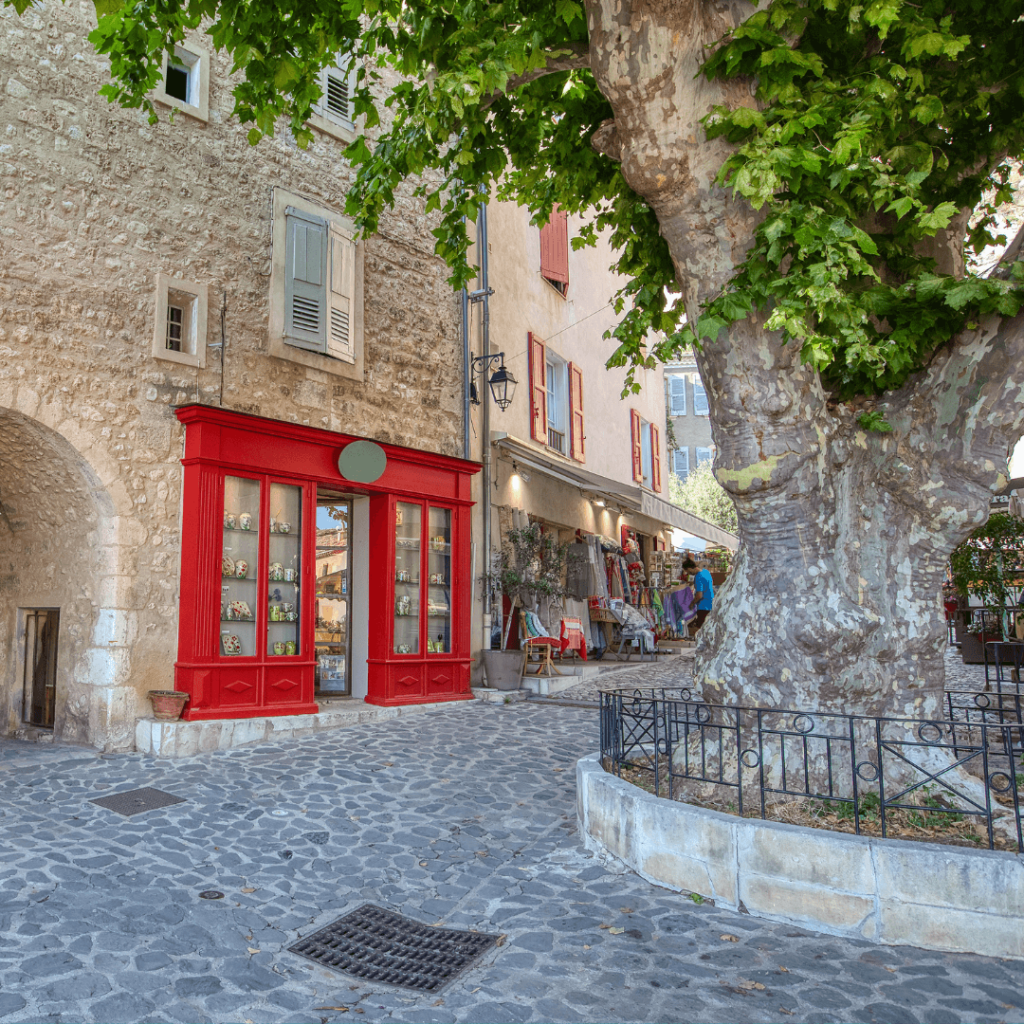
(221, 443)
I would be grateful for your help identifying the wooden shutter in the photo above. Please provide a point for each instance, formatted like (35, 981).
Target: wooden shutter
(341, 295)
(681, 463)
(700, 398)
(637, 442)
(337, 84)
(554, 248)
(305, 284)
(677, 394)
(538, 389)
(655, 458)
(576, 438)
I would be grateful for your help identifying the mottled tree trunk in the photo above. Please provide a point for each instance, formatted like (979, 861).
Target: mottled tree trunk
(834, 599)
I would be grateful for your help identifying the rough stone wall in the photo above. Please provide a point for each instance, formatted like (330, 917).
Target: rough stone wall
(94, 202)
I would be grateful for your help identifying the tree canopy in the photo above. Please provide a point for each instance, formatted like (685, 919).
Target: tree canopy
(874, 129)
(701, 494)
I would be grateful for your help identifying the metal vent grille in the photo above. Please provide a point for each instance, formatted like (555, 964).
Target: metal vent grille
(305, 314)
(135, 801)
(337, 96)
(380, 945)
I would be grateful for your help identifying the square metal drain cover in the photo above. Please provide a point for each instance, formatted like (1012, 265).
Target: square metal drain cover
(380, 945)
(135, 801)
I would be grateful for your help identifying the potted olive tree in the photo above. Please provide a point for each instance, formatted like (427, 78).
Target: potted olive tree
(530, 564)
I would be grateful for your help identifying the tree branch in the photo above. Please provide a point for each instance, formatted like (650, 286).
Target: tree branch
(570, 57)
(1009, 257)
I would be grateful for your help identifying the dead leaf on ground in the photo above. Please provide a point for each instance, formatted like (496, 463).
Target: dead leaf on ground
(249, 889)
(389, 764)
(359, 1011)
(501, 940)
(728, 938)
(252, 952)
(606, 926)
(747, 984)
(586, 947)
(423, 863)
(558, 769)
(785, 970)
(474, 992)
(616, 931)
(625, 910)
(788, 1013)
(439, 1002)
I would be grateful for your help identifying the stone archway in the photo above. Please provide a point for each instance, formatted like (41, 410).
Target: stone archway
(59, 550)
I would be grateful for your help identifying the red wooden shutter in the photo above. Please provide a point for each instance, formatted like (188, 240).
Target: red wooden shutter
(554, 247)
(538, 390)
(638, 451)
(576, 438)
(655, 458)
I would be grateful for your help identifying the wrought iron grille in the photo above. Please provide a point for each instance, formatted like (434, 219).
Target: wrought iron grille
(958, 779)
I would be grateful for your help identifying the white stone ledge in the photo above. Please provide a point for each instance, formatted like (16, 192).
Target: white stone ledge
(184, 739)
(889, 891)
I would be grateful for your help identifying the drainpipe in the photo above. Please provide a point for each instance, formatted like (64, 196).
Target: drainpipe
(467, 377)
(485, 397)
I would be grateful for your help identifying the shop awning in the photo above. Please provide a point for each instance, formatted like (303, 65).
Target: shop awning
(677, 518)
(629, 497)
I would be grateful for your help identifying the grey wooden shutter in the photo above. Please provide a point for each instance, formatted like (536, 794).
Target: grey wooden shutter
(681, 463)
(677, 393)
(338, 84)
(700, 398)
(341, 342)
(305, 280)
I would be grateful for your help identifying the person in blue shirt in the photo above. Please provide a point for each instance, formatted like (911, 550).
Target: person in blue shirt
(704, 589)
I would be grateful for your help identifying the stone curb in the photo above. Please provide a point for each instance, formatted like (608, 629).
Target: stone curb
(889, 891)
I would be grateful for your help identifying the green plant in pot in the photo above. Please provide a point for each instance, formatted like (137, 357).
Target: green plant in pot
(529, 565)
(989, 566)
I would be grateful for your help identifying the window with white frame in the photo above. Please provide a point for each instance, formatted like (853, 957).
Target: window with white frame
(557, 377)
(333, 112)
(185, 85)
(316, 287)
(704, 455)
(179, 334)
(681, 462)
(677, 394)
(700, 398)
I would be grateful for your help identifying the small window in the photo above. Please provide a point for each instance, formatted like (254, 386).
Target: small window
(558, 404)
(700, 398)
(180, 329)
(677, 394)
(681, 463)
(185, 85)
(704, 455)
(333, 112)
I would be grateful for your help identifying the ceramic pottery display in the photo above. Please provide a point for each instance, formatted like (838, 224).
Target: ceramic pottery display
(231, 643)
(245, 521)
(241, 568)
(227, 566)
(229, 524)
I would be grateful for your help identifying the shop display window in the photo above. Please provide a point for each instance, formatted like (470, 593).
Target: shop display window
(332, 593)
(439, 581)
(240, 567)
(284, 609)
(408, 550)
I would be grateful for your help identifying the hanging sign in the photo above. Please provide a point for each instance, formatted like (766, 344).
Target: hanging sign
(362, 462)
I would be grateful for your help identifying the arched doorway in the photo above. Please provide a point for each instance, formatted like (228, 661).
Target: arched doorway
(61, 673)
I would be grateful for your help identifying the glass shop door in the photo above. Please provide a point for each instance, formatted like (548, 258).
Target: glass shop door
(333, 593)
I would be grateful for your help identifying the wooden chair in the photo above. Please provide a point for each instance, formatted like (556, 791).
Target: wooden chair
(542, 645)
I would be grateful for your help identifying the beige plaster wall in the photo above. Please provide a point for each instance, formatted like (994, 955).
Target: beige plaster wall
(94, 203)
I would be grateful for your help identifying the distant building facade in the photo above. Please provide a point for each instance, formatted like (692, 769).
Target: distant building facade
(687, 406)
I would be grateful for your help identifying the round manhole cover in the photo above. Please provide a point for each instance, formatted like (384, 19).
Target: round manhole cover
(211, 894)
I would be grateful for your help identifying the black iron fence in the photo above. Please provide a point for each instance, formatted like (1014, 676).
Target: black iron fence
(956, 780)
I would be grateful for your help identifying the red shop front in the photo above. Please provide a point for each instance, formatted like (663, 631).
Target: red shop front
(299, 582)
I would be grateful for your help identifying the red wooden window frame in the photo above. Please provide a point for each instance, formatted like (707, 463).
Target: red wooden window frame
(576, 436)
(538, 389)
(554, 250)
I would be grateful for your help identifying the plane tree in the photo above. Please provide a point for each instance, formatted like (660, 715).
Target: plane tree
(795, 189)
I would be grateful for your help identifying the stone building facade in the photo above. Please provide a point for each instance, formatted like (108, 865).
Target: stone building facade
(690, 441)
(107, 221)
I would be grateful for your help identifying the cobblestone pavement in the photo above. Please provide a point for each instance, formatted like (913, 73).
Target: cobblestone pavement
(677, 670)
(463, 815)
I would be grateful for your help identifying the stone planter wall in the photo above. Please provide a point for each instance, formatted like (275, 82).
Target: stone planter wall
(885, 890)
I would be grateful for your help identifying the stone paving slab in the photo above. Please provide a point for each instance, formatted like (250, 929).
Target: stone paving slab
(463, 816)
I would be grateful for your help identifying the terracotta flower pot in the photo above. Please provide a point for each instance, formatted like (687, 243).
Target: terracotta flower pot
(168, 704)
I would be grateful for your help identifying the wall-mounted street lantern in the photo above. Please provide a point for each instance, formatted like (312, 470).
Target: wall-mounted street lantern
(502, 383)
